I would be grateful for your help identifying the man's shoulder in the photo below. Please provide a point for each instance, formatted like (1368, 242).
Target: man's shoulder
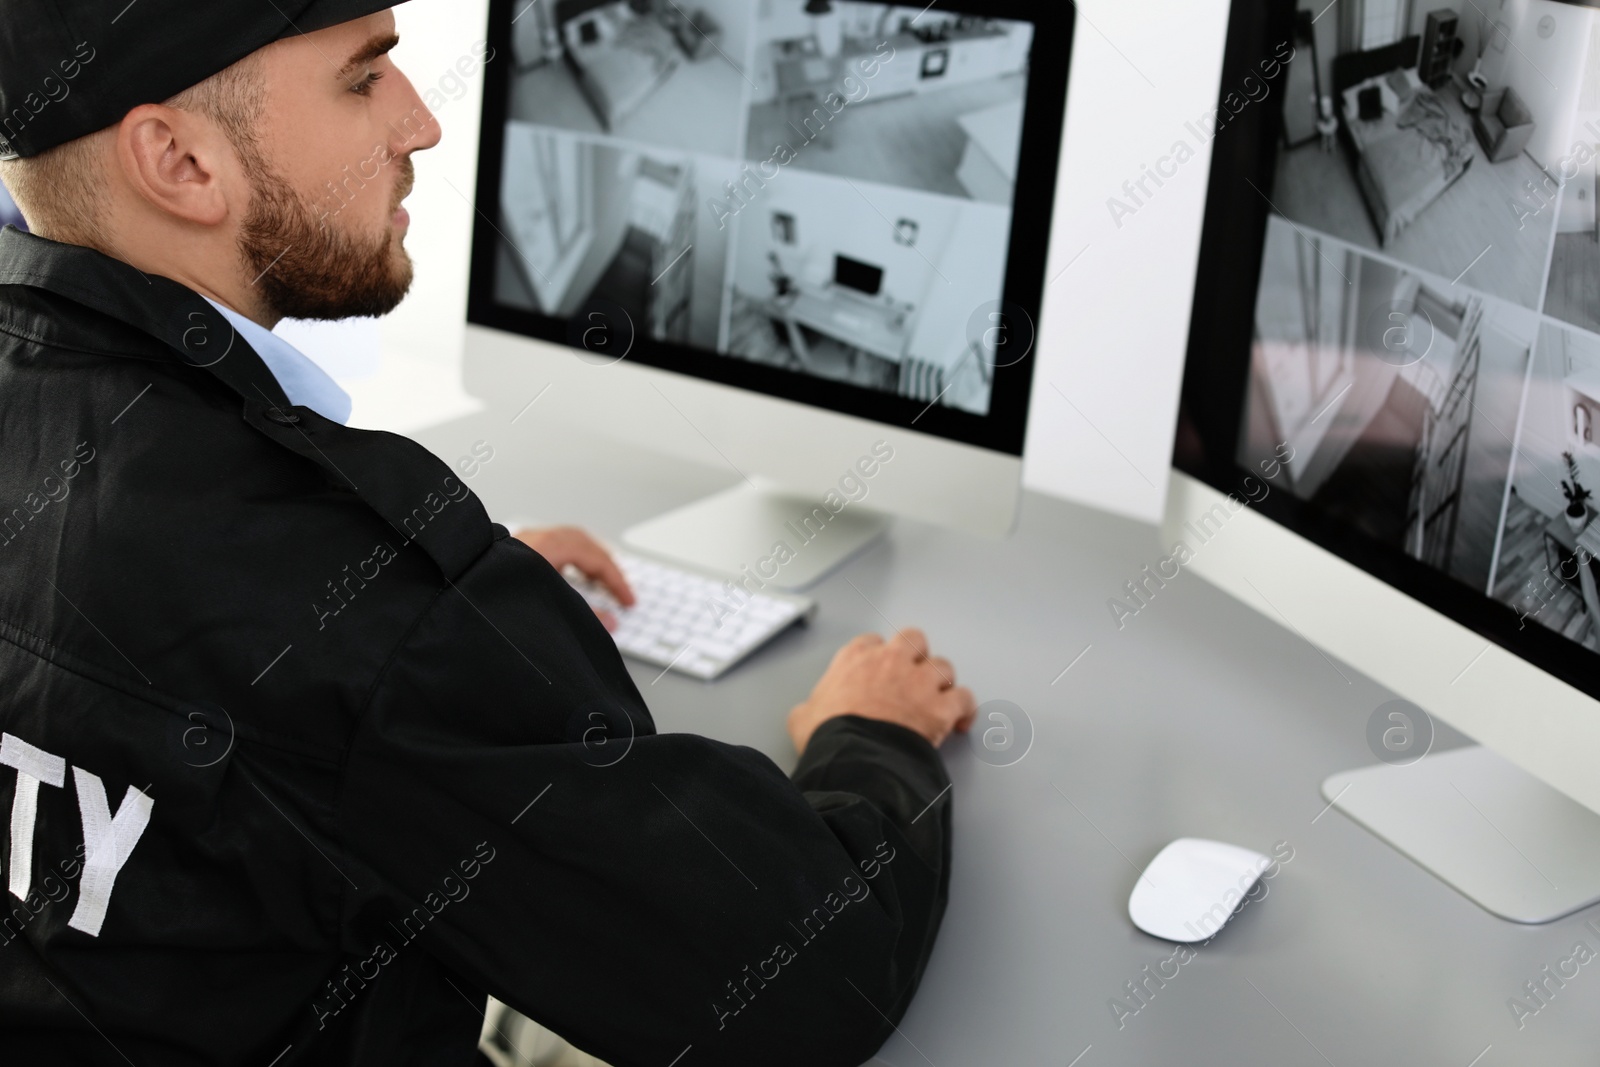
(200, 540)
(35, 320)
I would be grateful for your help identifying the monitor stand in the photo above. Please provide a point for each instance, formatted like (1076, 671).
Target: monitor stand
(1511, 844)
(754, 530)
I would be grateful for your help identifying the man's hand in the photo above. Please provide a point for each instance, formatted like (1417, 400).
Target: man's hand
(566, 546)
(893, 681)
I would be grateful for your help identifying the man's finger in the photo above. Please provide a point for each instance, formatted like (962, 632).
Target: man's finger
(944, 669)
(916, 641)
(590, 557)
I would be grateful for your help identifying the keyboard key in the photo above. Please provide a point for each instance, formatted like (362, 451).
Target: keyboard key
(693, 624)
(719, 649)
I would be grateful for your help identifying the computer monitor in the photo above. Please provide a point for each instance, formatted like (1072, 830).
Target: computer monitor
(677, 203)
(854, 274)
(1387, 437)
(10, 214)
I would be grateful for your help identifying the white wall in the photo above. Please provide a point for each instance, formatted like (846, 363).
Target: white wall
(1577, 214)
(433, 36)
(1546, 71)
(1114, 330)
(404, 373)
(830, 225)
(1578, 210)
(971, 264)
(1540, 468)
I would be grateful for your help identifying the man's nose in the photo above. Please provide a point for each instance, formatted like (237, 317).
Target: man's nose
(421, 128)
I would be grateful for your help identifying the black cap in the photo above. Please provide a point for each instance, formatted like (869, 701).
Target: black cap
(68, 69)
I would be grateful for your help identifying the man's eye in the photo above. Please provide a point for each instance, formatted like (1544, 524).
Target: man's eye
(363, 87)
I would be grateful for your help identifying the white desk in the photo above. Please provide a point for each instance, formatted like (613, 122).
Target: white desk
(1200, 718)
(858, 321)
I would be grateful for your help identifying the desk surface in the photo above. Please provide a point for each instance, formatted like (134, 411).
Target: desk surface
(869, 325)
(1200, 718)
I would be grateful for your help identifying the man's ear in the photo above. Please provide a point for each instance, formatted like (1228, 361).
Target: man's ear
(177, 162)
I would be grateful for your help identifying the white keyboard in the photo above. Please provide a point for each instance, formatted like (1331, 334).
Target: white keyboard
(691, 623)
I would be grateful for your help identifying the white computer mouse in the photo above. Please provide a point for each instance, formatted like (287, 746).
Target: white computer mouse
(1192, 888)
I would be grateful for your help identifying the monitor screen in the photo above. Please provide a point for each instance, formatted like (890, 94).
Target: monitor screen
(1396, 336)
(854, 274)
(10, 215)
(713, 188)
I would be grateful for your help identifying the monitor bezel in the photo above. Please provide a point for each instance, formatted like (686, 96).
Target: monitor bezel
(1216, 373)
(1004, 429)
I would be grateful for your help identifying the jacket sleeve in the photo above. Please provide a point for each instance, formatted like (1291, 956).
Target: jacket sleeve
(509, 807)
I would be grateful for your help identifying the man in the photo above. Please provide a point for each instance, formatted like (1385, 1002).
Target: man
(305, 757)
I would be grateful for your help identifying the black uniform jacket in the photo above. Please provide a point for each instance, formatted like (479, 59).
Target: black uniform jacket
(304, 755)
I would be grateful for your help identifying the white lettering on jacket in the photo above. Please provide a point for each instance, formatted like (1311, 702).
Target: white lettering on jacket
(108, 839)
(34, 765)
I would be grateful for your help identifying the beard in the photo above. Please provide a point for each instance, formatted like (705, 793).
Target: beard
(307, 267)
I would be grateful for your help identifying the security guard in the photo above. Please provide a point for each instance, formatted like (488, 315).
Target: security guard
(304, 756)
